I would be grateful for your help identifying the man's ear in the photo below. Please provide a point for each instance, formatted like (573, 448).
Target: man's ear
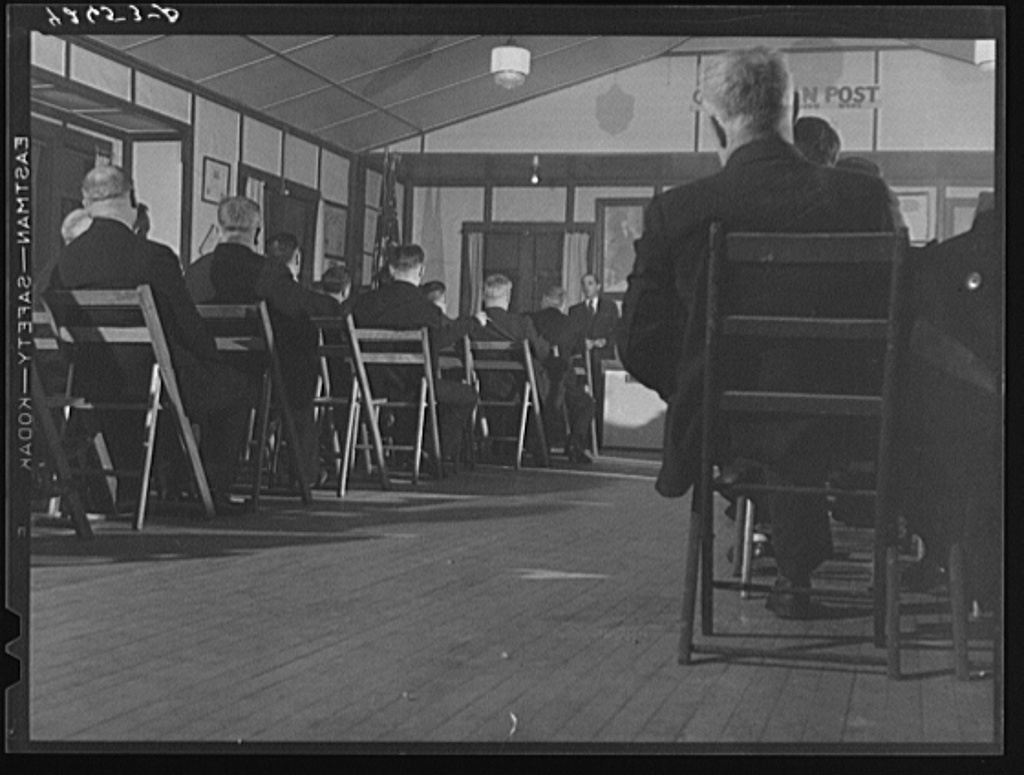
(719, 132)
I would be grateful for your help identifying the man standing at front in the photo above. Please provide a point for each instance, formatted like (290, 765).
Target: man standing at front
(766, 185)
(597, 317)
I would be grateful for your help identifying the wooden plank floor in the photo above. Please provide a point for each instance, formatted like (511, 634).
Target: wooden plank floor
(494, 607)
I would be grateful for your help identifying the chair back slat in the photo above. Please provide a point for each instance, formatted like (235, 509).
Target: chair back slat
(756, 248)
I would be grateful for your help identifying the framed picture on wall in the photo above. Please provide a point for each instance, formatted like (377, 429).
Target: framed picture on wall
(620, 222)
(918, 208)
(216, 180)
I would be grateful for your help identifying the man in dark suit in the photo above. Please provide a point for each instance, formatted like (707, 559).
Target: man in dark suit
(234, 274)
(500, 325)
(399, 304)
(766, 185)
(597, 317)
(108, 256)
(565, 395)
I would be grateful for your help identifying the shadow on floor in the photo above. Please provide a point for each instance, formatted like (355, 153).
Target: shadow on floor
(179, 537)
(125, 545)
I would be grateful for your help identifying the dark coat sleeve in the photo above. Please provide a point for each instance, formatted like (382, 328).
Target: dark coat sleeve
(540, 347)
(286, 297)
(650, 333)
(445, 332)
(177, 309)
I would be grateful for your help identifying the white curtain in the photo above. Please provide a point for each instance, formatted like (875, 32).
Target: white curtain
(574, 264)
(254, 191)
(475, 267)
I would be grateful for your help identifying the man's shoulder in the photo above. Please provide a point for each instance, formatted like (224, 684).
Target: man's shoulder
(686, 192)
(851, 181)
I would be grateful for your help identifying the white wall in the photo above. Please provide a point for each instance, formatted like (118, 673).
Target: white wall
(926, 102)
(216, 135)
(936, 103)
(534, 203)
(157, 173)
(438, 215)
(640, 109)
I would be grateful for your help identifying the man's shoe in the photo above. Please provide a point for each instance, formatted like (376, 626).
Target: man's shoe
(225, 507)
(786, 602)
(577, 455)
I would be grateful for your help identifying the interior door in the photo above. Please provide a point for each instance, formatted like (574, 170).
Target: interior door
(294, 211)
(530, 258)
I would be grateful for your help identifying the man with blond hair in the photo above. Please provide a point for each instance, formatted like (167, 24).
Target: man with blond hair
(765, 185)
(109, 255)
(74, 225)
(235, 274)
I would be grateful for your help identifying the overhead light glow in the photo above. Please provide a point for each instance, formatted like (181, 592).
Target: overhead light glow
(510, 64)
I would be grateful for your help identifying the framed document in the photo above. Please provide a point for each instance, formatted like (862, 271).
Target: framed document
(620, 222)
(216, 180)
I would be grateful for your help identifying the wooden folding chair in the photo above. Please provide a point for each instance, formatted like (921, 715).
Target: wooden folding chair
(510, 358)
(879, 256)
(583, 368)
(388, 353)
(243, 332)
(67, 498)
(334, 349)
(87, 319)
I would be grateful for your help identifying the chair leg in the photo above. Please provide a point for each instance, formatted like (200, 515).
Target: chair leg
(262, 421)
(421, 420)
(748, 546)
(70, 499)
(106, 462)
(892, 610)
(879, 590)
(707, 572)
(690, 568)
(152, 415)
(522, 426)
(350, 441)
(958, 602)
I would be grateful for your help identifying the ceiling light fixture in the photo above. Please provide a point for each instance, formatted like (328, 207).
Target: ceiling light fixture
(510, 64)
(535, 177)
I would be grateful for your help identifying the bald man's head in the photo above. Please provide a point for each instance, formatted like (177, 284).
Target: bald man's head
(107, 192)
(103, 183)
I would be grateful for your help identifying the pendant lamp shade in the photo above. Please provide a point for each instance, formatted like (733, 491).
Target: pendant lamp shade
(510, 64)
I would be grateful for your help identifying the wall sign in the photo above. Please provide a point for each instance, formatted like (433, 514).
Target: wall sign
(840, 96)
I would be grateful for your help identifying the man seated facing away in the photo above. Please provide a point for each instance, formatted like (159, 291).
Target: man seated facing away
(336, 282)
(766, 185)
(284, 247)
(109, 255)
(503, 326)
(565, 395)
(399, 304)
(434, 292)
(234, 274)
(817, 140)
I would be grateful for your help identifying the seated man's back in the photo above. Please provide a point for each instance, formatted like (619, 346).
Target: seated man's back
(400, 305)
